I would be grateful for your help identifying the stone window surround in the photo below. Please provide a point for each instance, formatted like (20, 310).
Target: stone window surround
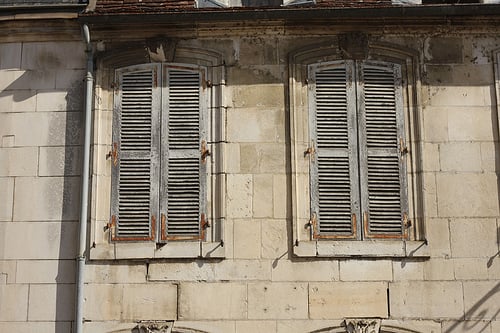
(349, 47)
(101, 247)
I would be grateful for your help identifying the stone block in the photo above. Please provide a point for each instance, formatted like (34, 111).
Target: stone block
(262, 196)
(338, 300)
(58, 100)
(103, 302)
(43, 128)
(10, 55)
(60, 161)
(419, 325)
(53, 55)
(18, 161)
(47, 240)
(459, 96)
(7, 194)
(472, 238)
(252, 51)
(38, 327)
(259, 96)
(246, 240)
(72, 79)
(471, 124)
(18, 101)
(125, 250)
(277, 300)
(259, 125)
(262, 74)
(435, 121)
(50, 302)
(46, 271)
(232, 158)
(489, 159)
(430, 157)
(212, 301)
(216, 326)
(108, 326)
(47, 199)
(467, 194)
(239, 196)
(27, 80)
(301, 326)
(439, 269)
(438, 236)
(115, 273)
(471, 269)
(460, 156)
(227, 270)
(274, 239)
(467, 326)
(444, 50)
(428, 299)
(13, 302)
(280, 196)
(151, 301)
(365, 270)
(252, 326)
(430, 194)
(7, 271)
(262, 158)
(407, 270)
(304, 271)
(481, 299)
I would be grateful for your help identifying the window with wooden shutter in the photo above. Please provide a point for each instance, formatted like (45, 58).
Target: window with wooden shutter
(357, 167)
(159, 152)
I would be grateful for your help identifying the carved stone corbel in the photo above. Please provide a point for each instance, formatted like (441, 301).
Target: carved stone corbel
(362, 325)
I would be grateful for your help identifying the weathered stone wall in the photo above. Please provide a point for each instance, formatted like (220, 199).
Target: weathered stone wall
(259, 286)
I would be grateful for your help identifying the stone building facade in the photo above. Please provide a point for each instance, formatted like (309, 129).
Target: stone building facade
(262, 257)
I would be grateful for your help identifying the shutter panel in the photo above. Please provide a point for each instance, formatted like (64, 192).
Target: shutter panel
(135, 153)
(334, 193)
(183, 125)
(381, 128)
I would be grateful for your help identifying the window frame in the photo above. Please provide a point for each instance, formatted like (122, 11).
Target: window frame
(305, 242)
(101, 225)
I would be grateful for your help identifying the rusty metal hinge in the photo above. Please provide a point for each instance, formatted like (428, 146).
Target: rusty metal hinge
(163, 226)
(204, 151)
(113, 153)
(406, 221)
(111, 226)
(310, 151)
(312, 226)
(402, 148)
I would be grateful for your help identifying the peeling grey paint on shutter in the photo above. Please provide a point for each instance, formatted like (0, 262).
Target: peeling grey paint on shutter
(135, 140)
(381, 131)
(334, 193)
(183, 174)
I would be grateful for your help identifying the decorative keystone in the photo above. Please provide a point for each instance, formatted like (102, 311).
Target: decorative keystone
(358, 325)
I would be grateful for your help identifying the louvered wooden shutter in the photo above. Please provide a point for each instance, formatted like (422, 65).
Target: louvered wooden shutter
(183, 173)
(135, 153)
(383, 180)
(334, 175)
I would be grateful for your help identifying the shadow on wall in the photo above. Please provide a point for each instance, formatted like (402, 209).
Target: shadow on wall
(56, 132)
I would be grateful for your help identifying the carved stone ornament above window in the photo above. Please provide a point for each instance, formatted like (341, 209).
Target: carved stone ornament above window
(370, 325)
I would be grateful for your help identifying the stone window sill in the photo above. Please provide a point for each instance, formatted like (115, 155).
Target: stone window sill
(149, 250)
(363, 249)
